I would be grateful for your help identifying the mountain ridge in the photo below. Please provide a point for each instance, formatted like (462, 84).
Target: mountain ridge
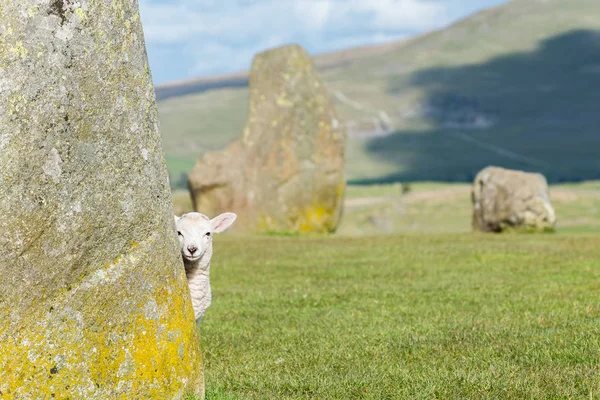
(514, 86)
(323, 61)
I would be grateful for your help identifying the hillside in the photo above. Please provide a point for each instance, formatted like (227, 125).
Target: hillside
(325, 61)
(515, 86)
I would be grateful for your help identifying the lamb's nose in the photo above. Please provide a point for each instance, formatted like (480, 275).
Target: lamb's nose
(192, 249)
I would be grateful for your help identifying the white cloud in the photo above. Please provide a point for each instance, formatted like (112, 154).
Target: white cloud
(220, 57)
(390, 14)
(214, 36)
(316, 15)
(185, 19)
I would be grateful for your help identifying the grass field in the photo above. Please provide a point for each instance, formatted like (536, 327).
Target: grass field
(433, 207)
(446, 208)
(443, 316)
(427, 311)
(404, 302)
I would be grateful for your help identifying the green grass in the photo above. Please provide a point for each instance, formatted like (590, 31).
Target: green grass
(195, 124)
(179, 169)
(421, 316)
(217, 395)
(434, 207)
(440, 313)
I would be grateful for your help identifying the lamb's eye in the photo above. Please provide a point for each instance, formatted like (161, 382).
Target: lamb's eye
(207, 234)
(179, 233)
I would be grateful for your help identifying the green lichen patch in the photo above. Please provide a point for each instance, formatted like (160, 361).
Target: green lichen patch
(94, 301)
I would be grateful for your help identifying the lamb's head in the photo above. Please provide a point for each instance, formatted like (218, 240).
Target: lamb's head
(195, 233)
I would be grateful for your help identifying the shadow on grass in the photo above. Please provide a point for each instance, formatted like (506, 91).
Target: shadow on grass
(536, 111)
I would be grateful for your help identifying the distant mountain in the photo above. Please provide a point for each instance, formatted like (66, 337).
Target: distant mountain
(324, 61)
(199, 85)
(516, 86)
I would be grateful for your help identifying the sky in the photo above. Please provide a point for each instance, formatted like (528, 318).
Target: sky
(193, 38)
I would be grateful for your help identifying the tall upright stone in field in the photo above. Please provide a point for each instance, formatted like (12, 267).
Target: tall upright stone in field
(506, 199)
(93, 297)
(286, 174)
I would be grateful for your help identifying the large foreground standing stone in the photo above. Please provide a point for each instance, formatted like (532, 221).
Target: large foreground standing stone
(94, 302)
(506, 199)
(286, 174)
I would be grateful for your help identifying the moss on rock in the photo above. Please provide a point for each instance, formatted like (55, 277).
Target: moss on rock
(286, 172)
(93, 302)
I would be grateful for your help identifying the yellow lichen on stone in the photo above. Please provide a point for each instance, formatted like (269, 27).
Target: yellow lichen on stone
(339, 191)
(265, 223)
(80, 13)
(32, 11)
(16, 103)
(137, 357)
(313, 217)
(18, 49)
(284, 102)
(101, 309)
(291, 157)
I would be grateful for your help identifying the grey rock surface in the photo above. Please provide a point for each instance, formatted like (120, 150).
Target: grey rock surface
(506, 199)
(94, 302)
(286, 173)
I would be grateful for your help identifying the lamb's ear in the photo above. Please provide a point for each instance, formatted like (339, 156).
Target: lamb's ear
(176, 218)
(222, 222)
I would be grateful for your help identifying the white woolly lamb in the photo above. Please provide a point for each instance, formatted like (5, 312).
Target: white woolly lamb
(195, 233)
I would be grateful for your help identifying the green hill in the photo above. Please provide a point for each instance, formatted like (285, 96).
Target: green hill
(515, 86)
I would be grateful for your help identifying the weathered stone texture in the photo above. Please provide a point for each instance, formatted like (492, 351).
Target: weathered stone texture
(286, 174)
(506, 199)
(94, 301)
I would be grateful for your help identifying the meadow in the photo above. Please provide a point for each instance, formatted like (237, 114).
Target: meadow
(435, 207)
(437, 313)
(394, 317)
(404, 301)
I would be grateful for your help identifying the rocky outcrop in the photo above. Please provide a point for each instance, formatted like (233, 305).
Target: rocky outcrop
(286, 174)
(506, 199)
(94, 302)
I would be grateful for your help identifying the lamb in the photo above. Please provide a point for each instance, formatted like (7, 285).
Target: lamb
(195, 233)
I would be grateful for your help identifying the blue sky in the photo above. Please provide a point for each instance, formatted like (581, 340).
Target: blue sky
(191, 38)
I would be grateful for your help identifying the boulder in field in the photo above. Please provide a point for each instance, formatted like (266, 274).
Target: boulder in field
(94, 302)
(506, 199)
(286, 173)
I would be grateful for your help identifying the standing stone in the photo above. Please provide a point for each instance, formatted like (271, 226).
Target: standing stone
(94, 302)
(286, 174)
(507, 199)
